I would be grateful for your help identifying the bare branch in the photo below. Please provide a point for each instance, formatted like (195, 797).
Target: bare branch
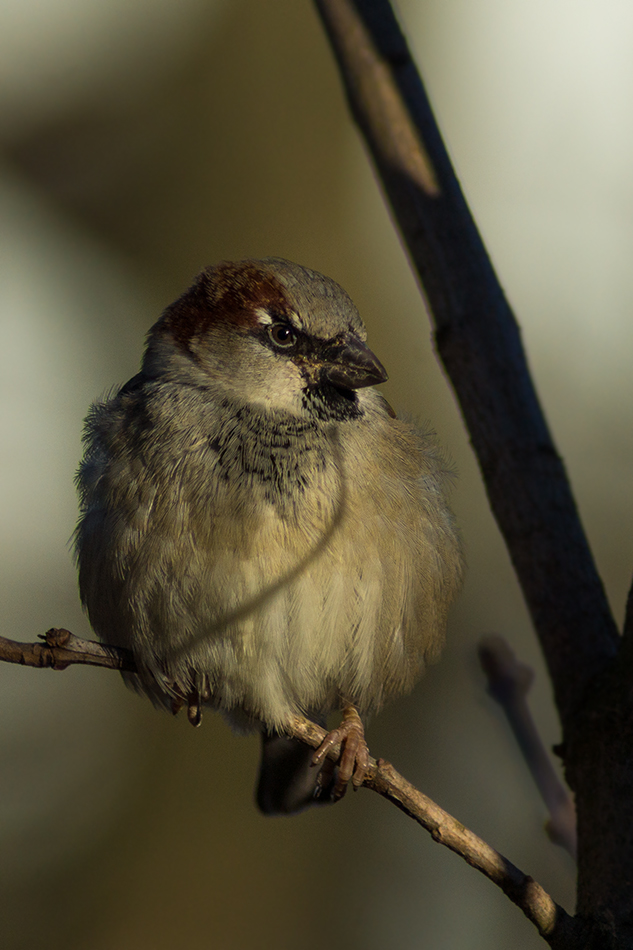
(61, 649)
(553, 923)
(627, 632)
(479, 343)
(508, 683)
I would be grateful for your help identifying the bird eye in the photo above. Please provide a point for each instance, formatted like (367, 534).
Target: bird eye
(281, 335)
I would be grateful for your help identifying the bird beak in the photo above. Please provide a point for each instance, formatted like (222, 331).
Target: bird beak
(352, 364)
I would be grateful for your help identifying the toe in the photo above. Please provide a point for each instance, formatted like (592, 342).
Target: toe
(353, 763)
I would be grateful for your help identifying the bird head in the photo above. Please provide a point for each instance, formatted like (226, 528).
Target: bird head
(270, 332)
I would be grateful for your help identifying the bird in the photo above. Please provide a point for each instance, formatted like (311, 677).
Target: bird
(259, 528)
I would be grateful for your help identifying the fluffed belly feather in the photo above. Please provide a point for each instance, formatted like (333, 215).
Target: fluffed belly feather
(303, 622)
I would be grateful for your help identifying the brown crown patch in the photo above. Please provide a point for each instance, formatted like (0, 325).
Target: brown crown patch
(229, 293)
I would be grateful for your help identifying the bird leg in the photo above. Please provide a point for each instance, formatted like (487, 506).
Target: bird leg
(354, 761)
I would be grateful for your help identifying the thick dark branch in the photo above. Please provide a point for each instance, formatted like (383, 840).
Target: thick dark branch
(627, 632)
(61, 649)
(480, 346)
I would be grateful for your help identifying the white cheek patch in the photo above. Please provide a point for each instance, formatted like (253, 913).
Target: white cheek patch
(282, 389)
(268, 380)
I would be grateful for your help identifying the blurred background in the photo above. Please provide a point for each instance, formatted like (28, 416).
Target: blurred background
(140, 141)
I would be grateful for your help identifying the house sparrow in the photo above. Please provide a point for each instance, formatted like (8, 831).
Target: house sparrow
(258, 527)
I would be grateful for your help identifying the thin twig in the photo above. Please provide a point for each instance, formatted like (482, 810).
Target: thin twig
(60, 649)
(552, 922)
(509, 682)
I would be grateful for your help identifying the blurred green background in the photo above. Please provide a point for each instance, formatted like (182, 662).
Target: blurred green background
(139, 142)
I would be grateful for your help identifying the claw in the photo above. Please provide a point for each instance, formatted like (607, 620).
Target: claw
(354, 761)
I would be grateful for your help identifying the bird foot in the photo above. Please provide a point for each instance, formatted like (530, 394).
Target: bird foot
(354, 760)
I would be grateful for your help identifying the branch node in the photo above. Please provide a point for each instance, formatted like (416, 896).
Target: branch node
(56, 637)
